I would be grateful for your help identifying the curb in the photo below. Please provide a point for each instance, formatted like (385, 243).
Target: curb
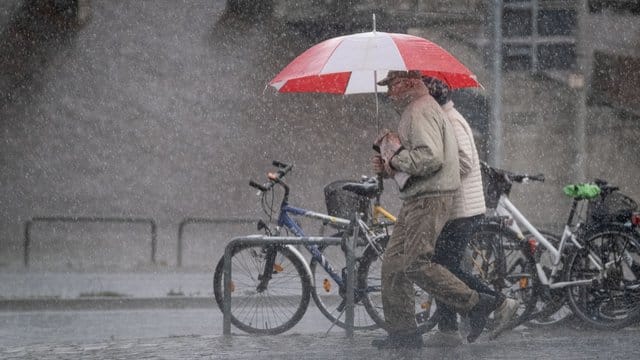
(105, 303)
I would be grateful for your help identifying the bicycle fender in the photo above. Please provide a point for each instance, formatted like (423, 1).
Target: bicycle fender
(303, 261)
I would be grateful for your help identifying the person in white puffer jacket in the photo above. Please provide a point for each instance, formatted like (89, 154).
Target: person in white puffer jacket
(468, 207)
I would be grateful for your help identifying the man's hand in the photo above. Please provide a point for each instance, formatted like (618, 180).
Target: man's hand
(380, 167)
(389, 146)
(377, 164)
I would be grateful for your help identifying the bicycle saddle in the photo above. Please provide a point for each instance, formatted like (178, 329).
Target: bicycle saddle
(369, 188)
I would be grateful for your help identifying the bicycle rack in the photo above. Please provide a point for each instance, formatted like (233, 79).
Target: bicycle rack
(348, 242)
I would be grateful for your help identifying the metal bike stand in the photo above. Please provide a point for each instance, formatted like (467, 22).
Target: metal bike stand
(348, 247)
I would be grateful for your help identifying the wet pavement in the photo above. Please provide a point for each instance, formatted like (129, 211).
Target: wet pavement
(522, 344)
(152, 325)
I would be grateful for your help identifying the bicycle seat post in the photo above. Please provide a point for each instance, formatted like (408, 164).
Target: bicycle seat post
(572, 212)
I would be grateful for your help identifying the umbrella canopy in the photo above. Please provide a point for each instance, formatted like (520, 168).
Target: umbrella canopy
(353, 64)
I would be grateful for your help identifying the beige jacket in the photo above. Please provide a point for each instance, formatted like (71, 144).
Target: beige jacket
(430, 153)
(469, 199)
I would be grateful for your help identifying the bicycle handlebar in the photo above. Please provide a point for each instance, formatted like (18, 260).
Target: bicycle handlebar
(605, 187)
(521, 178)
(283, 170)
(514, 177)
(258, 186)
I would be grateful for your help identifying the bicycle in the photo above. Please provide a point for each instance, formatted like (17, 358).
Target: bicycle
(271, 280)
(589, 265)
(610, 206)
(498, 184)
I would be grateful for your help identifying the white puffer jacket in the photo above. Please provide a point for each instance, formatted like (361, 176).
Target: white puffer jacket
(469, 199)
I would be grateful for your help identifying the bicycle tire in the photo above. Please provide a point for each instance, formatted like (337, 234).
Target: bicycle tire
(273, 311)
(519, 281)
(330, 298)
(369, 280)
(554, 309)
(613, 302)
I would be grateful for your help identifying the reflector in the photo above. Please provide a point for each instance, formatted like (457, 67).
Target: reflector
(533, 245)
(326, 285)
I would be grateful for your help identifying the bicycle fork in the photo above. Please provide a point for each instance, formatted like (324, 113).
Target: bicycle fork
(270, 267)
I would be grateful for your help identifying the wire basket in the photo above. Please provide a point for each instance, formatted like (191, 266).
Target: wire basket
(494, 184)
(611, 207)
(342, 203)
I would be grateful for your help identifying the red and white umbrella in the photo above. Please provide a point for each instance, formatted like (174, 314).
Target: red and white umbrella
(353, 64)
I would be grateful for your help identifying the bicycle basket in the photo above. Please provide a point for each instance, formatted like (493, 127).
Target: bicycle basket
(342, 203)
(611, 207)
(494, 184)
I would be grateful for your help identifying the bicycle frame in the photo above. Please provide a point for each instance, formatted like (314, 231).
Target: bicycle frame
(506, 207)
(379, 211)
(285, 220)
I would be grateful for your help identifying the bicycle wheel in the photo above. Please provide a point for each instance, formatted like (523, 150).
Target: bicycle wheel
(551, 309)
(612, 299)
(284, 298)
(330, 297)
(369, 280)
(498, 257)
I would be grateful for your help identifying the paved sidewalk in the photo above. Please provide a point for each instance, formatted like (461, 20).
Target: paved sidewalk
(525, 344)
(25, 290)
(58, 291)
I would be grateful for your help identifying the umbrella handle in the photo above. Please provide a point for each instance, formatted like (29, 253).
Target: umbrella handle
(380, 187)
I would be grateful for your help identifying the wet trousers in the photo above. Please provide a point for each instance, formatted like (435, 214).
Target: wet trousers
(450, 250)
(408, 261)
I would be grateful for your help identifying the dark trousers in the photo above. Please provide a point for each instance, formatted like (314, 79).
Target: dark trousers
(450, 249)
(408, 262)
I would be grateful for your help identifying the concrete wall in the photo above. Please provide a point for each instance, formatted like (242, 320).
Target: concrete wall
(158, 110)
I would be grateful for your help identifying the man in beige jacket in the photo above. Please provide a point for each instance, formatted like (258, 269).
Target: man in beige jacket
(468, 208)
(424, 148)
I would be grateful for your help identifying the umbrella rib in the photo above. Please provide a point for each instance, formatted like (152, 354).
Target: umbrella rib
(329, 57)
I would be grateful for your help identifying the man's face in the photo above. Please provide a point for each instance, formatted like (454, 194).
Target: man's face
(396, 87)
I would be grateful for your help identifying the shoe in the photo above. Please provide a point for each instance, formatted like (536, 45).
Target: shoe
(444, 339)
(503, 316)
(479, 314)
(413, 341)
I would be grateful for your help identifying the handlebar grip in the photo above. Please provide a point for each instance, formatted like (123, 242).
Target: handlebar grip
(538, 177)
(600, 182)
(609, 188)
(257, 186)
(279, 164)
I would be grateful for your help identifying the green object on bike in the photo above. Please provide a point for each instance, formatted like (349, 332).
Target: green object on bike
(582, 191)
